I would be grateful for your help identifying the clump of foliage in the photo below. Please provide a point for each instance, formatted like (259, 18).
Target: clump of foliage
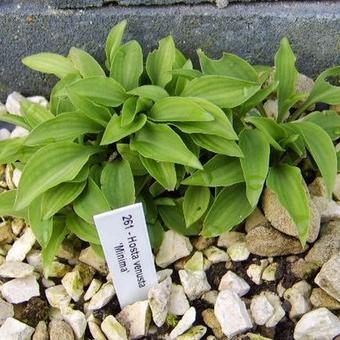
(194, 146)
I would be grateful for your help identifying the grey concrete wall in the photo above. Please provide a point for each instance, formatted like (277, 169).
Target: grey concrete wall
(253, 31)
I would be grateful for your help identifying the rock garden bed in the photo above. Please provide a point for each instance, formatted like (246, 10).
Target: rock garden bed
(254, 255)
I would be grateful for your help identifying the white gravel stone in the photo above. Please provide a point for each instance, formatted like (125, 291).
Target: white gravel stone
(216, 255)
(279, 312)
(16, 177)
(21, 246)
(178, 303)
(13, 329)
(261, 309)
(113, 329)
(194, 283)
(41, 331)
(299, 298)
(72, 283)
(95, 331)
(20, 290)
(76, 319)
(328, 209)
(15, 270)
(6, 311)
(184, 324)
(210, 297)
(4, 134)
(329, 277)
(231, 313)
(18, 132)
(228, 238)
(174, 246)
(136, 319)
(57, 296)
(159, 296)
(47, 283)
(233, 282)
(194, 333)
(271, 108)
(238, 251)
(102, 297)
(255, 271)
(92, 289)
(269, 273)
(34, 258)
(38, 100)
(13, 103)
(195, 263)
(90, 257)
(163, 274)
(319, 324)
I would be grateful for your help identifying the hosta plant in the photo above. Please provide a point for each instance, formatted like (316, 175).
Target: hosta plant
(195, 146)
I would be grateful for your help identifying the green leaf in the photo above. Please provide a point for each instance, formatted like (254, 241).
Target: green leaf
(220, 126)
(114, 40)
(272, 130)
(152, 92)
(195, 204)
(97, 113)
(217, 144)
(91, 202)
(230, 208)
(58, 197)
(288, 184)
(35, 114)
(127, 65)
(159, 62)
(101, 90)
(50, 63)
(85, 63)
(7, 200)
(117, 184)
(156, 233)
(133, 158)
(163, 172)
(219, 171)
(115, 131)
(58, 234)
(9, 149)
(255, 163)
(161, 143)
(50, 166)
(173, 218)
(225, 92)
(323, 91)
(327, 120)
(228, 65)
(177, 109)
(42, 229)
(66, 126)
(85, 231)
(187, 73)
(296, 144)
(15, 120)
(286, 74)
(320, 145)
(128, 112)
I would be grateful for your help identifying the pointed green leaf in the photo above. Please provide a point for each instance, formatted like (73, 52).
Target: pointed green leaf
(66, 126)
(161, 143)
(255, 162)
(127, 65)
(195, 204)
(117, 184)
(91, 202)
(225, 92)
(152, 92)
(9, 149)
(85, 63)
(218, 171)
(15, 120)
(128, 112)
(288, 184)
(133, 158)
(286, 74)
(85, 231)
(50, 166)
(41, 229)
(217, 144)
(228, 65)
(163, 172)
(114, 40)
(50, 63)
(177, 109)
(35, 114)
(58, 197)
(101, 90)
(230, 208)
(159, 62)
(7, 200)
(115, 131)
(156, 233)
(320, 145)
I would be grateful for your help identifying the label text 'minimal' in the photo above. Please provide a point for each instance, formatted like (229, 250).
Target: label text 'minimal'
(120, 254)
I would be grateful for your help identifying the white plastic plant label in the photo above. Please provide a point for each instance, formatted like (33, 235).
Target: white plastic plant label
(125, 240)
